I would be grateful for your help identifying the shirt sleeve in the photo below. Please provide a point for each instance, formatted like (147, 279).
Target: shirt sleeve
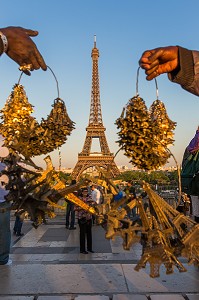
(187, 74)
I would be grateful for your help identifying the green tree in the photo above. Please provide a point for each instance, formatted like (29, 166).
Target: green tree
(158, 177)
(173, 177)
(65, 176)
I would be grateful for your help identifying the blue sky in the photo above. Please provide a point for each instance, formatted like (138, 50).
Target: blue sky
(124, 30)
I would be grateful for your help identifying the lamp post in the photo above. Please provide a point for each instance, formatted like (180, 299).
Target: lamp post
(59, 159)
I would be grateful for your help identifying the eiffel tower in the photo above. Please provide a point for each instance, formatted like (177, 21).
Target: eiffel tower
(95, 129)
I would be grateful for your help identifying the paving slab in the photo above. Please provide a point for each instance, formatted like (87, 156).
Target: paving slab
(141, 282)
(129, 297)
(100, 243)
(55, 297)
(62, 278)
(93, 297)
(193, 296)
(55, 234)
(167, 297)
(16, 297)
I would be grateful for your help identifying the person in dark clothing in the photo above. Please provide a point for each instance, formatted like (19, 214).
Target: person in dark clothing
(70, 212)
(189, 175)
(85, 225)
(70, 215)
(18, 223)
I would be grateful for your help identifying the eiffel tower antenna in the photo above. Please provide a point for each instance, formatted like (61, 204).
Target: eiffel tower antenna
(95, 41)
(95, 118)
(95, 129)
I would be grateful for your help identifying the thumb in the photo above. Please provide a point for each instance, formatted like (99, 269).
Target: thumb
(31, 32)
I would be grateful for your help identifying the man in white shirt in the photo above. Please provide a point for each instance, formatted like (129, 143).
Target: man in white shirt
(96, 198)
(95, 194)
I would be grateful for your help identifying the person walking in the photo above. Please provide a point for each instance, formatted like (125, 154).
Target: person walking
(85, 225)
(20, 215)
(70, 212)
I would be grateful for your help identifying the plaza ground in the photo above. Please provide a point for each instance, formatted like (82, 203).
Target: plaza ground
(47, 265)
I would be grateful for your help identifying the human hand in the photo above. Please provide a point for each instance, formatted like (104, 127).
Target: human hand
(22, 49)
(159, 61)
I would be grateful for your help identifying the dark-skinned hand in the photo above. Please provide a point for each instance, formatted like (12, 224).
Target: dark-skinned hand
(22, 49)
(158, 61)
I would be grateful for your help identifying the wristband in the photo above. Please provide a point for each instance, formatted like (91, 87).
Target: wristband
(5, 41)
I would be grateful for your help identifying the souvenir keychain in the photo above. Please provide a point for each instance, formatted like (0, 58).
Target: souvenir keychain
(145, 134)
(24, 134)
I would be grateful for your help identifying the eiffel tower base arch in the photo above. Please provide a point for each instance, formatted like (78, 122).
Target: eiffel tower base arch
(105, 162)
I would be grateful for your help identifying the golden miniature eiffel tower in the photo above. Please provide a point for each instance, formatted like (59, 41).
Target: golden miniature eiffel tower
(95, 129)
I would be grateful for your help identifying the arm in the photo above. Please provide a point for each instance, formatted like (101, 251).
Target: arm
(21, 48)
(179, 63)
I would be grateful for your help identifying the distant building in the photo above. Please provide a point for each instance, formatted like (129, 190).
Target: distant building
(67, 170)
(123, 168)
(169, 168)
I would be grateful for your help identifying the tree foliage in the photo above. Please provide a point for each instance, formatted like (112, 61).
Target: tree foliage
(154, 177)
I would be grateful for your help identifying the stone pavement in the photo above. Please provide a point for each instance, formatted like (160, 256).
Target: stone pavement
(47, 265)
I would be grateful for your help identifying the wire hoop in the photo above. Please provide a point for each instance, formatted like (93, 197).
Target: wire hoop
(53, 76)
(156, 84)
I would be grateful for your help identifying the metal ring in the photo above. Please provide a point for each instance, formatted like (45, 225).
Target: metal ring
(25, 67)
